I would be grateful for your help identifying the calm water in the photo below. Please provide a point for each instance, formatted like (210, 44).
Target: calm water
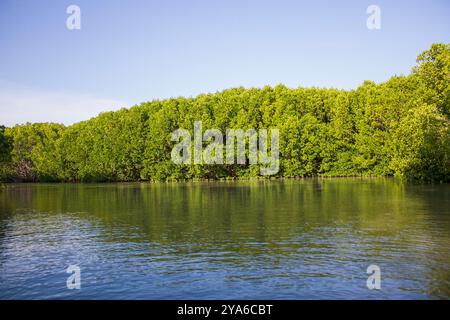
(226, 240)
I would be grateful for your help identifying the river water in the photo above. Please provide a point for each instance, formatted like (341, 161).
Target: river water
(288, 239)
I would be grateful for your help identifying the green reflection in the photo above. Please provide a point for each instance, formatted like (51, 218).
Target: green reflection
(339, 221)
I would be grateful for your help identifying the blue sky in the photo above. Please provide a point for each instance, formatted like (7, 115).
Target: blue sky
(132, 51)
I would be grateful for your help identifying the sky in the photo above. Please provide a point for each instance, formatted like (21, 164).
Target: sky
(128, 52)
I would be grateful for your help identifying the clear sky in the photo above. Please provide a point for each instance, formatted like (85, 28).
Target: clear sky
(131, 51)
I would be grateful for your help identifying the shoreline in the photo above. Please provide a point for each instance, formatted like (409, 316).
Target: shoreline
(234, 179)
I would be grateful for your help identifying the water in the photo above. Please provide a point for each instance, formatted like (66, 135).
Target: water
(307, 239)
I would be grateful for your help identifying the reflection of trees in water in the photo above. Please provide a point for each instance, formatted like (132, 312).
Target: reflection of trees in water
(346, 220)
(436, 203)
(263, 210)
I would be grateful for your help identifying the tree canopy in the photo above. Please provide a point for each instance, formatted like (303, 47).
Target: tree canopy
(396, 128)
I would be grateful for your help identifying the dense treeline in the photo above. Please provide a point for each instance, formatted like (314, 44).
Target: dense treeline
(396, 128)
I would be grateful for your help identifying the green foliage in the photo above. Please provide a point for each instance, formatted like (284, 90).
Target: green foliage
(399, 127)
(35, 152)
(421, 148)
(434, 70)
(5, 153)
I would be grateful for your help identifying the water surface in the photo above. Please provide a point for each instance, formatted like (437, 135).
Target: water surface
(306, 239)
